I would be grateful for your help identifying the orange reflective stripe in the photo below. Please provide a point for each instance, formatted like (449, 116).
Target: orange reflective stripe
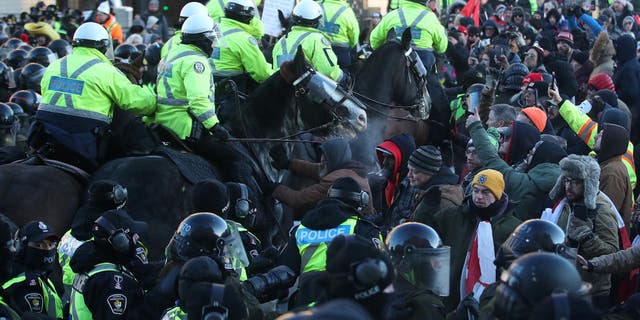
(586, 130)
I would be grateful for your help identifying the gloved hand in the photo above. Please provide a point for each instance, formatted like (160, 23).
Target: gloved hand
(584, 263)
(219, 132)
(432, 197)
(264, 260)
(579, 230)
(279, 156)
(468, 305)
(264, 285)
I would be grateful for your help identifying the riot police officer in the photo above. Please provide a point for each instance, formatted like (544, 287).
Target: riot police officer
(306, 252)
(429, 36)
(78, 98)
(216, 12)
(240, 59)
(32, 290)
(188, 10)
(342, 28)
(307, 16)
(422, 272)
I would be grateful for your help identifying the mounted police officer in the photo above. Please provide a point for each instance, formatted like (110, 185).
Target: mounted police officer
(189, 9)
(340, 214)
(186, 103)
(342, 28)
(429, 36)
(241, 59)
(79, 92)
(216, 12)
(307, 17)
(32, 291)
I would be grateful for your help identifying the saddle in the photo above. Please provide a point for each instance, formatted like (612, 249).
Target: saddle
(39, 160)
(193, 167)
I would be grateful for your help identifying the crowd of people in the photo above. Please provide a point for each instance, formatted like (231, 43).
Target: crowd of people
(537, 220)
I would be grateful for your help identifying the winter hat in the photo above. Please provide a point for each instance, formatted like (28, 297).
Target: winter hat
(152, 20)
(210, 196)
(602, 81)
(348, 276)
(553, 12)
(625, 49)
(579, 167)
(580, 56)
(537, 116)
(36, 231)
(426, 159)
(336, 153)
(490, 179)
(567, 37)
(532, 77)
(608, 96)
(614, 141)
(614, 116)
(547, 152)
(628, 18)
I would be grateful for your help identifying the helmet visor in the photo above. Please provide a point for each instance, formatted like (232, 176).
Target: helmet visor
(216, 37)
(427, 269)
(109, 52)
(233, 253)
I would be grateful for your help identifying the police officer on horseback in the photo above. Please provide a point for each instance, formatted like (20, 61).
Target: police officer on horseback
(337, 215)
(342, 28)
(79, 93)
(241, 59)
(429, 36)
(189, 9)
(307, 17)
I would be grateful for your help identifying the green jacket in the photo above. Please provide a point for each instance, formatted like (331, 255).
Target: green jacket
(216, 12)
(241, 53)
(85, 84)
(185, 83)
(340, 23)
(175, 40)
(587, 129)
(316, 47)
(456, 226)
(175, 313)
(527, 189)
(427, 32)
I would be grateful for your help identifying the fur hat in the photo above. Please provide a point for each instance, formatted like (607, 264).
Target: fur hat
(579, 167)
(602, 48)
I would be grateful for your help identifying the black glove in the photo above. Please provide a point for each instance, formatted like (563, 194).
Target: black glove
(219, 132)
(279, 156)
(168, 285)
(468, 305)
(268, 187)
(264, 285)
(264, 260)
(432, 197)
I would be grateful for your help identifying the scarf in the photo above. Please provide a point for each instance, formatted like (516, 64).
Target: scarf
(479, 271)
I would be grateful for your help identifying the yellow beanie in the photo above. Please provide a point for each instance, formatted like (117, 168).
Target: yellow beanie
(490, 179)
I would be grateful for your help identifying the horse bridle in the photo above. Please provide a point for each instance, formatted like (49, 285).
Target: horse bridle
(419, 74)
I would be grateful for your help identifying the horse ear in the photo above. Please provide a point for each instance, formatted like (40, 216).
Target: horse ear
(391, 35)
(282, 18)
(299, 59)
(406, 38)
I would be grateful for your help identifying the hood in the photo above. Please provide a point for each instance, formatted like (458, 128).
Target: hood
(401, 146)
(336, 152)
(329, 213)
(578, 167)
(614, 142)
(87, 256)
(523, 137)
(602, 49)
(544, 175)
(615, 116)
(547, 152)
(625, 49)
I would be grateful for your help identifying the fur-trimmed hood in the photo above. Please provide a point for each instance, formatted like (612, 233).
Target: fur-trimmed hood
(579, 167)
(602, 49)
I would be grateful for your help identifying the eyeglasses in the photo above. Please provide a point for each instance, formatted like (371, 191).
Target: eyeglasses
(518, 15)
(573, 182)
(530, 55)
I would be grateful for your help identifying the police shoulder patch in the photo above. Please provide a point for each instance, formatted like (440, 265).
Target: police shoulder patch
(253, 41)
(35, 301)
(326, 41)
(199, 67)
(117, 303)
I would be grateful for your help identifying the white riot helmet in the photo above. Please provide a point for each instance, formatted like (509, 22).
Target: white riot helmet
(240, 10)
(191, 9)
(92, 35)
(104, 7)
(201, 31)
(307, 13)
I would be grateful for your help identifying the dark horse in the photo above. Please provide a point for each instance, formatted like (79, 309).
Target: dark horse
(393, 87)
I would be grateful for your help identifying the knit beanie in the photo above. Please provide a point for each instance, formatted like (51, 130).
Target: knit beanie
(490, 179)
(580, 57)
(566, 37)
(427, 159)
(210, 196)
(537, 117)
(602, 81)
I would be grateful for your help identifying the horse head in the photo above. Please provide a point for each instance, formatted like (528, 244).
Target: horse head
(342, 112)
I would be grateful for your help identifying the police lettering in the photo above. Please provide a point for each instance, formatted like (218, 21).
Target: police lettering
(66, 85)
(308, 236)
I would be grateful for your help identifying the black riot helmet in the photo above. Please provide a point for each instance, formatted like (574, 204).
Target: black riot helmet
(141, 47)
(200, 234)
(514, 75)
(152, 54)
(240, 10)
(419, 257)
(5, 74)
(41, 55)
(25, 47)
(17, 109)
(106, 195)
(27, 99)
(61, 48)
(16, 58)
(30, 77)
(532, 278)
(7, 46)
(126, 52)
(532, 236)
(7, 117)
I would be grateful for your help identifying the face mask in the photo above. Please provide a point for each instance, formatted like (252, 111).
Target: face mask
(39, 259)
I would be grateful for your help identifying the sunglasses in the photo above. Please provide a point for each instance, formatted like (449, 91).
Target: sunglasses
(518, 15)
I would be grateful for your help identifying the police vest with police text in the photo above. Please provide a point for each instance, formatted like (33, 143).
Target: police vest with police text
(312, 244)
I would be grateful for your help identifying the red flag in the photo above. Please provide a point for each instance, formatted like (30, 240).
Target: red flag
(472, 10)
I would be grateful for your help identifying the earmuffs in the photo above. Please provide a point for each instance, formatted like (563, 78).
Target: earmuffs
(118, 238)
(361, 198)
